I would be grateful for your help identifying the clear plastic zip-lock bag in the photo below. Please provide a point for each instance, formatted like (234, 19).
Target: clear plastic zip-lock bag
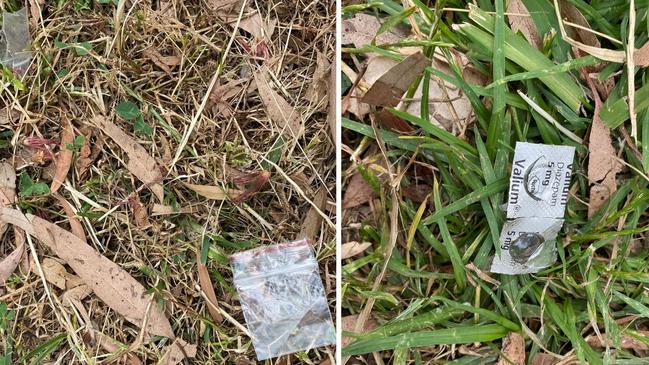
(15, 41)
(283, 299)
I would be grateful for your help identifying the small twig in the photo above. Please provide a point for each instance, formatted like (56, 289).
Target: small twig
(359, 77)
(629, 142)
(549, 118)
(630, 67)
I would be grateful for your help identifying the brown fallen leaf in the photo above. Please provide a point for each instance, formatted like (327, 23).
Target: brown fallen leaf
(7, 184)
(469, 71)
(640, 58)
(348, 323)
(177, 352)
(357, 192)
(140, 163)
(35, 7)
(140, 214)
(351, 249)
(602, 161)
(208, 289)
(373, 69)
(222, 93)
(319, 81)
(161, 209)
(163, 62)
(213, 192)
(544, 359)
(572, 14)
(333, 101)
(252, 183)
(362, 28)
(76, 293)
(390, 87)
(20, 238)
(523, 23)
(8, 116)
(9, 264)
(416, 192)
(7, 189)
(112, 284)
(8, 197)
(312, 221)
(94, 337)
(513, 350)
(278, 109)
(55, 273)
(448, 105)
(224, 5)
(626, 341)
(252, 22)
(83, 161)
(261, 29)
(63, 161)
(388, 120)
(75, 225)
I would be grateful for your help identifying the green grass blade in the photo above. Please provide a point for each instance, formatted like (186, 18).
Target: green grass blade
(498, 66)
(416, 323)
(456, 259)
(641, 308)
(436, 131)
(473, 197)
(395, 19)
(388, 137)
(447, 336)
(615, 112)
(574, 64)
(40, 352)
(481, 311)
(523, 54)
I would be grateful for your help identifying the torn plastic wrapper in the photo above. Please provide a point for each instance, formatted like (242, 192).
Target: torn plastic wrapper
(283, 299)
(15, 41)
(538, 193)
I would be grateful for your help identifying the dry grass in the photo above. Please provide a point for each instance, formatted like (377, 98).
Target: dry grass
(160, 252)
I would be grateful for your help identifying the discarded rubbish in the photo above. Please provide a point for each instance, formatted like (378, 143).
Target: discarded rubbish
(283, 299)
(15, 41)
(538, 193)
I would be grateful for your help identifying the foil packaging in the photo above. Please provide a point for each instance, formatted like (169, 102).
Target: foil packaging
(536, 203)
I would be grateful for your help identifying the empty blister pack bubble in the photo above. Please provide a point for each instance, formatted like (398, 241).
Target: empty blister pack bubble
(15, 40)
(283, 299)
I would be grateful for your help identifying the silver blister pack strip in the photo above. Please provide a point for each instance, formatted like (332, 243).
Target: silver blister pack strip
(536, 203)
(540, 180)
